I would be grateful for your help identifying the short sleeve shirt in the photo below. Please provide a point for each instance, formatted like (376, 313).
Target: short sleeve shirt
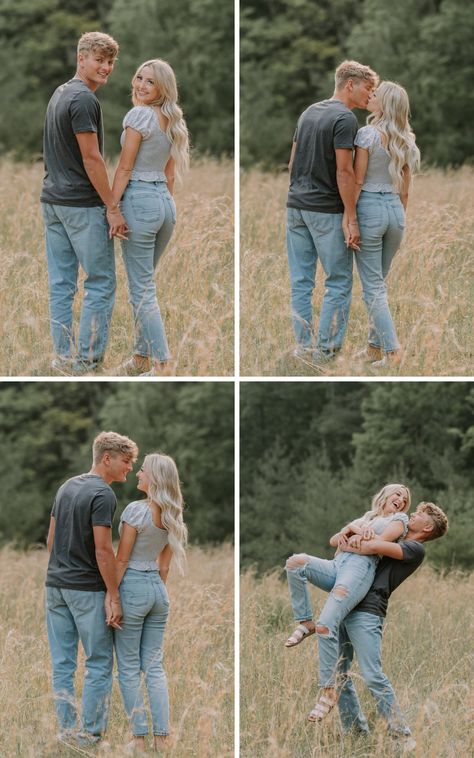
(73, 109)
(390, 573)
(81, 503)
(155, 147)
(150, 539)
(377, 177)
(322, 129)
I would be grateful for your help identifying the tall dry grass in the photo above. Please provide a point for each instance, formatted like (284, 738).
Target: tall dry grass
(428, 654)
(431, 285)
(199, 644)
(195, 278)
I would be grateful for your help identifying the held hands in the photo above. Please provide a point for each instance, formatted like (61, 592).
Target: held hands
(113, 611)
(351, 232)
(118, 227)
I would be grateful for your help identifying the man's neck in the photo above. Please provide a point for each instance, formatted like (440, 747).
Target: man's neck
(91, 85)
(416, 536)
(344, 98)
(102, 472)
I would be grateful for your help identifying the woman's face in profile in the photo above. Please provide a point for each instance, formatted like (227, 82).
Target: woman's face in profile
(374, 103)
(143, 481)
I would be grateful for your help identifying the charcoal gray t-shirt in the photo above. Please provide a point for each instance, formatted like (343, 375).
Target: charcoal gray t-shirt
(81, 503)
(390, 573)
(73, 109)
(321, 129)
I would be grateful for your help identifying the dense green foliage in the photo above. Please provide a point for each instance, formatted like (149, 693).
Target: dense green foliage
(313, 454)
(38, 41)
(46, 432)
(290, 48)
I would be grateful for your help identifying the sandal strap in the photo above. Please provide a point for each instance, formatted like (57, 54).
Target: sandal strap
(299, 633)
(322, 708)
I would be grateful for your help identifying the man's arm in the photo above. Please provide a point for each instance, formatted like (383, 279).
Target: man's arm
(374, 547)
(292, 157)
(52, 529)
(104, 554)
(96, 170)
(346, 185)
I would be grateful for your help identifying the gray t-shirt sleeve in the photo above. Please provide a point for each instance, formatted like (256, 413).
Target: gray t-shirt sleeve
(345, 130)
(85, 113)
(103, 509)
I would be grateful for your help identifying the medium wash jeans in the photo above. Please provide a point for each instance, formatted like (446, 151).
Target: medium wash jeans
(313, 236)
(348, 571)
(381, 222)
(79, 236)
(361, 633)
(74, 615)
(151, 215)
(139, 648)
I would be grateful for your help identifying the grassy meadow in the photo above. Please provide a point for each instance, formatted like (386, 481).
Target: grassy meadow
(428, 654)
(195, 278)
(431, 284)
(199, 645)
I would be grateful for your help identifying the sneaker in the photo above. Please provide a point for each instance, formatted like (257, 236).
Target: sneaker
(87, 739)
(80, 368)
(314, 356)
(62, 364)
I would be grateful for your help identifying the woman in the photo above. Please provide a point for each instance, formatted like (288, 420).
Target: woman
(347, 578)
(155, 152)
(151, 532)
(386, 158)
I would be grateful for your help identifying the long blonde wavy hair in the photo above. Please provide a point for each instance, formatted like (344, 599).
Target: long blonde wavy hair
(392, 121)
(176, 130)
(164, 490)
(379, 500)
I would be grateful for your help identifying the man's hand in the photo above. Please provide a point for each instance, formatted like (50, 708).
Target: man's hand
(117, 224)
(353, 235)
(113, 611)
(355, 541)
(368, 533)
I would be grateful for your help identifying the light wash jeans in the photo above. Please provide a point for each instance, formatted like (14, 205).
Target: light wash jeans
(74, 615)
(79, 236)
(355, 574)
(310, 237)
(151, 215)
(361, 633)
(381, 222)
(139, 648)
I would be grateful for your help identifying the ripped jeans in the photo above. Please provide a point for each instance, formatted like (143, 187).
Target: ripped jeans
(347, 578)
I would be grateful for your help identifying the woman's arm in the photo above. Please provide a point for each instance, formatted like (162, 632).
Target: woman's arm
(361, 162)
(164, 561)
(405, 186)
(127, 541)
(126, 162)
(392, 532)
(169, 173)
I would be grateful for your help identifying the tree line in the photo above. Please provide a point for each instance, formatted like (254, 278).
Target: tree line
(290, 48)
(38, 40)
(46, 435)
(313, 455)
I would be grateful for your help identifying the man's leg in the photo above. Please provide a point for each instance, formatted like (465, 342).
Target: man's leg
(302, 260)
(88, 232)
(350, 711)
(88, 611)
(63, 641)
(365, 633)
(336, 260)
(62, 277)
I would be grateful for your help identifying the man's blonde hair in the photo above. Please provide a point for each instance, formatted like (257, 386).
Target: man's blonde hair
(110, 442)
(437, 517)
(354, 70)
(98, 41)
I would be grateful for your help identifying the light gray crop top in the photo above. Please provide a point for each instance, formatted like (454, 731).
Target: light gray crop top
(154, 151)
(150, 539)
(377, 178)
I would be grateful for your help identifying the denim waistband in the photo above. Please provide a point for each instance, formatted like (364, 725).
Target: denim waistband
(367, 195)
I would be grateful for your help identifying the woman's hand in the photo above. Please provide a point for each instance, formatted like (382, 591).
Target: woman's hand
(342, 541)
(368, 533)
(355, 541)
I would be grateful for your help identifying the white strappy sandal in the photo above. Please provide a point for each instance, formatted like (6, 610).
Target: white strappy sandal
(300, 633)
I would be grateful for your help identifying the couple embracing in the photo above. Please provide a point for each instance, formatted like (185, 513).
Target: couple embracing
(106, 600)
(340, 205)
(83, 213)
(375, 554)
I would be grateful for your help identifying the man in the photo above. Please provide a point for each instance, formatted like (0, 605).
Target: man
(322, 187)
(81, 571)
(362, 630)
(75, 189)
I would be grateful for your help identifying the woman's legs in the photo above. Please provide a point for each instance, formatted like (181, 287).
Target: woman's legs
(301, 569)
(380, 241)
(151, 659)
(149, 214)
